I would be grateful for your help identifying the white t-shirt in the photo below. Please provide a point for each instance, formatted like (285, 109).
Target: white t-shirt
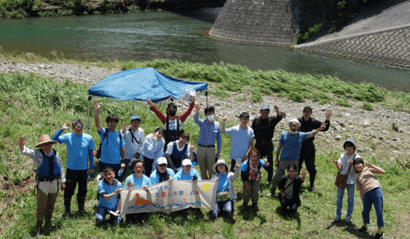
(173, 124)
(171, 146)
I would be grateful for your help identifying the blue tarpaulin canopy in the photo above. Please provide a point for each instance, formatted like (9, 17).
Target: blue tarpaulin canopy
(142, 84)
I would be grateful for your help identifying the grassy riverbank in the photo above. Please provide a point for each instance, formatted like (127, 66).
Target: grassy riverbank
(32, 105)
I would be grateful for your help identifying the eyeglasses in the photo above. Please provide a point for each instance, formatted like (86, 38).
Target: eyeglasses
(188, 166)
(78, 127)
(291, 171)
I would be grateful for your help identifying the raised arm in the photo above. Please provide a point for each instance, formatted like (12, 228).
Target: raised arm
(196, 116)
(376, 169)
(97, 116)
(223, 124)
(65, 126)
(157, 112)
(338, 166)
(185, 115)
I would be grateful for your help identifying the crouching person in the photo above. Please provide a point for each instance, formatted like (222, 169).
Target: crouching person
(225, 191)
(289, 187)
(49, 168)
(251, 178)
(187, 172)
(162, 173)
(109, 197)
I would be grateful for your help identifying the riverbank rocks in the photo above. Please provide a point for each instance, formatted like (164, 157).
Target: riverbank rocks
(372, 131)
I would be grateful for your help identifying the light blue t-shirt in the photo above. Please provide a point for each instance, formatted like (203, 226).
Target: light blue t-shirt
(111, 153)
(77, 150)
(245, 165)
(138, 182)
(290, 145)
(240, 140)
(223, 182)
(104, 187)
(182, 176)
(154, 177)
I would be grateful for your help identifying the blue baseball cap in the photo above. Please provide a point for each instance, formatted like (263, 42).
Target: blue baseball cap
(265, 107)
(135, 117)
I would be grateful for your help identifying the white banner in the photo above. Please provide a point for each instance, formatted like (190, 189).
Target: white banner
(169, 196)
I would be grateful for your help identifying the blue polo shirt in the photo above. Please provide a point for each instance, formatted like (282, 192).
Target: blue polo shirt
(111, 153)
(208, 132)
(78, 148)
(104, 187)
(182, 176)
(138, 182)
(240, 141)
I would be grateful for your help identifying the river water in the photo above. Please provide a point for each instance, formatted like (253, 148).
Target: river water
(165, 35)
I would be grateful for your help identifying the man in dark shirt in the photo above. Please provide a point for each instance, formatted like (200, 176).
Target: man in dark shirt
(264, 127)
(307, 152)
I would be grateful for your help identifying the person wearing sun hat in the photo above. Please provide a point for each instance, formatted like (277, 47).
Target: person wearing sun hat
(225, 189)
(49, 168)
(187, 172)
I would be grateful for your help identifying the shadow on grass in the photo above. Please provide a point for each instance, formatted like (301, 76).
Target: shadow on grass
(249, 214)
(289, 217)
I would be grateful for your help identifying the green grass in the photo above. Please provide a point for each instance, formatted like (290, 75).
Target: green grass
(32, 106)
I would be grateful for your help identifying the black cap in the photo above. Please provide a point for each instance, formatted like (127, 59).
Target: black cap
(307, 108)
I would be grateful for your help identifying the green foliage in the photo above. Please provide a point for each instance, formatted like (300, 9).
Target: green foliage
(343, 103)
(367, 106)
(312, 31)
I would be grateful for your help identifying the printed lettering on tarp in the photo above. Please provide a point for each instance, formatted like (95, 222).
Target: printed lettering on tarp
(169, 196)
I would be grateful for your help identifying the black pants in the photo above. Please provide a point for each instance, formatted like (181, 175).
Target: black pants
(266, 149)
(148, 166)
(73, 177)
(289, 203)
(307, 154)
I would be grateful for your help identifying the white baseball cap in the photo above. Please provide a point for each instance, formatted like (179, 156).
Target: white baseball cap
(162, 160)
(186, 162)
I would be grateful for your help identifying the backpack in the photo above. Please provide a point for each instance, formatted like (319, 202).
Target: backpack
(98, 154)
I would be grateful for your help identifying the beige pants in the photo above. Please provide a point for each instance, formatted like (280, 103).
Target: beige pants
(206, 161)
(45, 201)
(280, 171)
(253, 193)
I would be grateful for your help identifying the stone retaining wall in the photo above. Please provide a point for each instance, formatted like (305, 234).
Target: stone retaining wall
(387, 46)
(258, 22)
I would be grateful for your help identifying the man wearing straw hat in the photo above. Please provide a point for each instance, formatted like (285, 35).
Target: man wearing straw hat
(49, 168)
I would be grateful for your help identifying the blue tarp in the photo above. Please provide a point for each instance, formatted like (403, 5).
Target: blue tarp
(142, 84)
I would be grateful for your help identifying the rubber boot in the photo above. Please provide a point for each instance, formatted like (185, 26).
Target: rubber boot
(47, 221)
(67, 205)
(81, 202)
(39, 227)
(312, 181)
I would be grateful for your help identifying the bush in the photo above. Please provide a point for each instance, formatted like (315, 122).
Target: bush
(367, 106)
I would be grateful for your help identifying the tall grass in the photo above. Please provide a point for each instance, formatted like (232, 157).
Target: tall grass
(29, 110)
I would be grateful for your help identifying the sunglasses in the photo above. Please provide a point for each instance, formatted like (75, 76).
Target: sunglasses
(78, 127)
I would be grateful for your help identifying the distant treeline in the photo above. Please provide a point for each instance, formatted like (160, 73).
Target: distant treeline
(45, 8)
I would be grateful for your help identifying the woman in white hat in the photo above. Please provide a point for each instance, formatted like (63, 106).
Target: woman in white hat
(162, 173)
(49, 168)
(225, 191)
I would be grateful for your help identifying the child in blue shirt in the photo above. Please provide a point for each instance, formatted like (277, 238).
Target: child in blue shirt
(109, 198)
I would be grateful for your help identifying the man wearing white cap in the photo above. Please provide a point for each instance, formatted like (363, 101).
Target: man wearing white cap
(49, 168)
(162, 173)
(264, 127)
(134, 139)
(289, 146)
(187, 172)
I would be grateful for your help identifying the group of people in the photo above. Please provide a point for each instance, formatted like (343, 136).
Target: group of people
(166, 154)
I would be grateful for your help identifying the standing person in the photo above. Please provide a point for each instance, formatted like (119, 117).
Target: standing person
(187, 172)
(79, 151)
(172, 122)
(162, 173)
(109, 197)
(264, 127)
(178, 151)
(289, 149)
(225, 189)
(241, 139)
(344, 166)
(134, 138)
(112, 142)
(153, 148)
(307, 153)
(251, 178)
(209, 132)
(289, 187)
(370, 192)
(136, 180)
(49, 168)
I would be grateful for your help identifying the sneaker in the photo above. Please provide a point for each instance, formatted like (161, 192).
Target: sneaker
(363, 229)
(255, 207)
(348, 219)
(337, 219)
(378, 236)
(311, 189)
